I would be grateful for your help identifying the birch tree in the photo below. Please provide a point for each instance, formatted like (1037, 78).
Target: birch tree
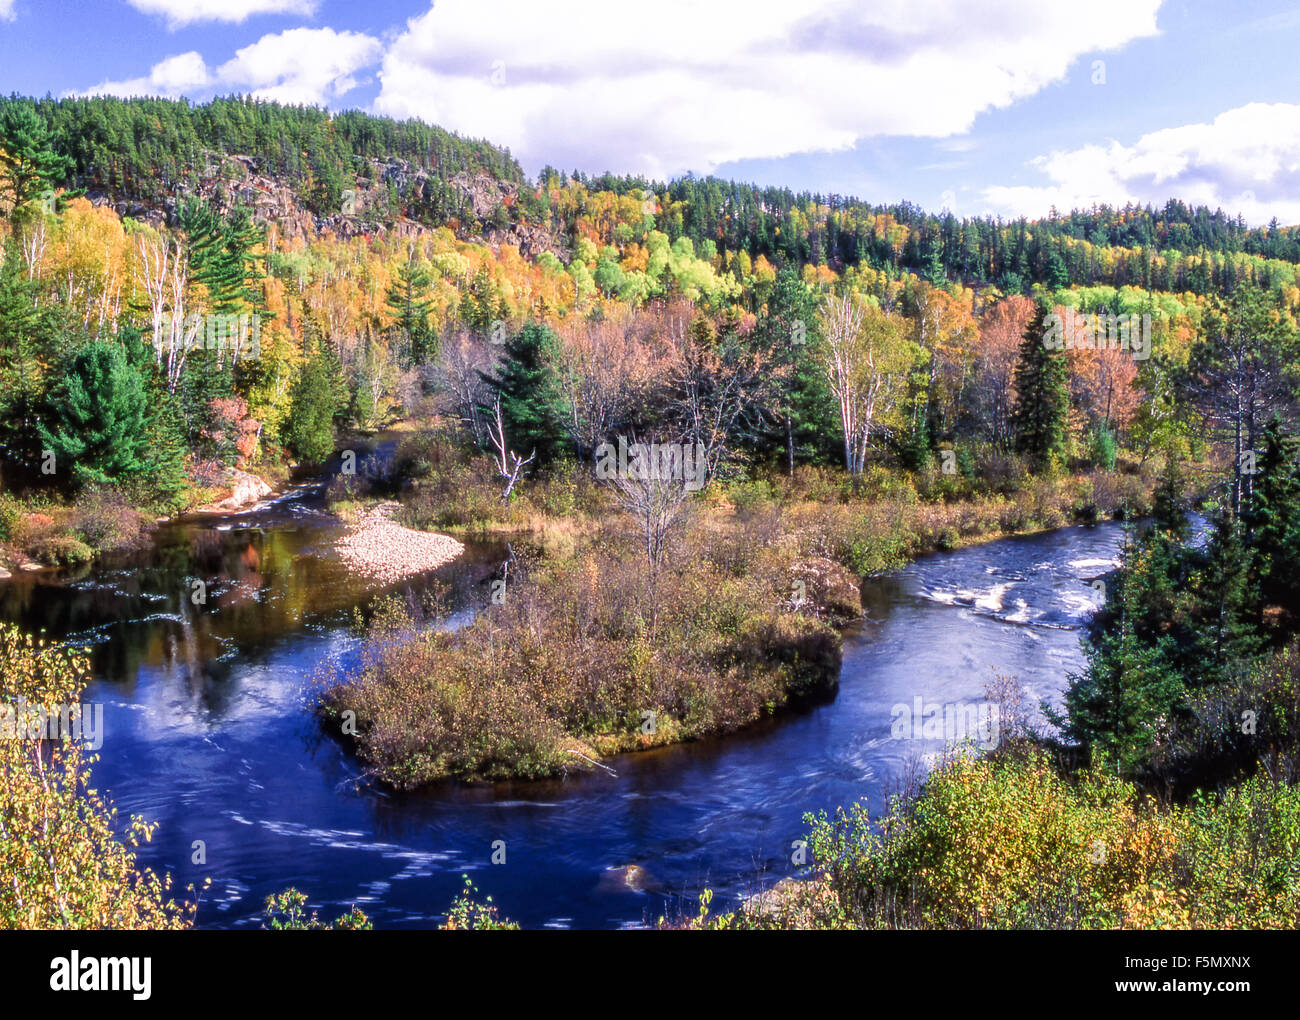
(868, 357)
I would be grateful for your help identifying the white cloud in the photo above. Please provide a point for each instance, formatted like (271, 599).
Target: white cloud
(302, 65)
(687, 85)
(1246, 161)
(176, 76)
(7, 10)
(185, 12)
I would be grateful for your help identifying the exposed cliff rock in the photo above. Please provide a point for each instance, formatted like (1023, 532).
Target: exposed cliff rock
(227, 181)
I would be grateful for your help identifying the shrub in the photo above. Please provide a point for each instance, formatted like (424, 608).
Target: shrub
(62, 551)
(1006, 842)
(287, 911)
(104, 519)
(581, 653)
(468, 914)
(66, 861)
(11, 513)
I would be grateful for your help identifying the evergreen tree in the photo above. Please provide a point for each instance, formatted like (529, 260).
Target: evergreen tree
(1131, 683)
(222, 256)
(1168, 513)
(97, 414)
(208, 377)
(1226, 630)
(481, 306)
(309, 429)
(1042, 406)
(29, 163)
(790, 332)
(1273, 518)
(533, 406)
(23, 349)
(165, 481)
(409, 302)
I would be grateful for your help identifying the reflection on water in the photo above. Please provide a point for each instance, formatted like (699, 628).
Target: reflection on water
(207, 733)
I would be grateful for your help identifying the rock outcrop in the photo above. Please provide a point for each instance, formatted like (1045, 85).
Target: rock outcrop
(228, 181)
(245, 491)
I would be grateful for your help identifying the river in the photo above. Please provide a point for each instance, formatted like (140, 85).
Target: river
(207, 730)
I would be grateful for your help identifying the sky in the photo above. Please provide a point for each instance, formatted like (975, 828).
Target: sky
(1005, 107)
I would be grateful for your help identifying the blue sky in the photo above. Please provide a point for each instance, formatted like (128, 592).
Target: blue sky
(1003, 111)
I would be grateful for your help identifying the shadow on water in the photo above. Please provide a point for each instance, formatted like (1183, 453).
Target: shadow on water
(208, 734)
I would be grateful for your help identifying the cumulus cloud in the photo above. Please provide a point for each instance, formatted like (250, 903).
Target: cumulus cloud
(690, 85)
(7, 10)
(302, 65)
(1247, 160)
(179, 13)
(176, 76)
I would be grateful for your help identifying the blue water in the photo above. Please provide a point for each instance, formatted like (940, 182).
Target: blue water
(208, 732)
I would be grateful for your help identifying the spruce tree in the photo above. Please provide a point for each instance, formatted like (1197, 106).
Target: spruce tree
(24, 352)
(1272, 518)
(310, 426)
(95, 422)
(533, 406)
(1131, 682)
(1226, 632)
(1042, 406)
(1168, 513)
(789, 331)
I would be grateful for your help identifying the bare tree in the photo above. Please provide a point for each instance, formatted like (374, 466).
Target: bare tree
(721, 386)
(509, 464)
(607, 371)
(463, 362)
(658, 505)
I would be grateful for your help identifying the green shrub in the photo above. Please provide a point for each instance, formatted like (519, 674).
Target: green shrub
(63, 551)
(1006, 842)
(11, 512)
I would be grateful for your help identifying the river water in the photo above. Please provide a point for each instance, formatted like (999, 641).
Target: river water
(207, 731)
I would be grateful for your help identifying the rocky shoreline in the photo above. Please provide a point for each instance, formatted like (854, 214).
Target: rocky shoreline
(380, 548)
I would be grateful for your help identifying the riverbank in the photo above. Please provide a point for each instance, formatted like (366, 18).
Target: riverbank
(1054, 849)
(43, 531)
(591, 649)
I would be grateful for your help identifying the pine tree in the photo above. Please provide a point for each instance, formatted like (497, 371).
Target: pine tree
(410, 302)
(1042, 405)
(29, 163)
(96, 419)
(222, 256)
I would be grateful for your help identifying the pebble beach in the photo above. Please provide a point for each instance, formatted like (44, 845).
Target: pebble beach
(379, 548)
